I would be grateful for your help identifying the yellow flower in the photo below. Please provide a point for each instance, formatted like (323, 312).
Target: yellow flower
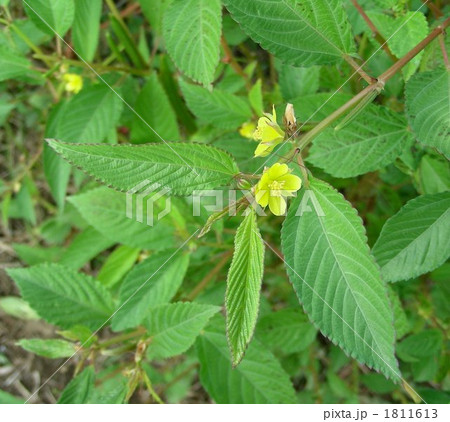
(73, 82)
(276, 184)
(247, 129)
(269, 133)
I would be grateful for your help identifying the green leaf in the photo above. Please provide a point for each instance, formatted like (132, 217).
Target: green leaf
(12, 65)
(51, 348)
(118, 263)
(335, 277)
(427, 104)
(180, 167)
(192, 30)
(258, 379)
(18, 308)
(106, 210)
(154, 107)
(297, 81)
(6, 398)
(154, 281)
(175, 326)
(433, 175)
(300, 33)
(243, 286)
(415, 240)
(371, 141)
(86, 27)
(51, 16)
(255, 96)
(62, 296)
(419, 346)
(79, 390)
(402, 34)
(219, 108)
(287, 330)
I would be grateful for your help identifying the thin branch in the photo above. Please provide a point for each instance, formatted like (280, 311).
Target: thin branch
(229, 58)
(369, 79)
(444, 51)
(376, 33)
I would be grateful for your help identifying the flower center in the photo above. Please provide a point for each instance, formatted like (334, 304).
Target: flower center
(276, 187)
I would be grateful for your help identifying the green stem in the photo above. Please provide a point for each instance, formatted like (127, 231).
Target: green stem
(150, 388)
(122, 337)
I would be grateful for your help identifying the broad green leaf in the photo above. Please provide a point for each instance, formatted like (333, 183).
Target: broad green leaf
(192, 30)
(287, 330)
(118, 263)
(106, 211)
(86, 27)
(258, 379)
(336, 279)
(49, 348)
(12, 65)
(402, 33)
(244, 286)
(63, 296)
(153, 10)
(153, 106)
(427, 104)
(301, 33)
(297, 82)
(219, 108)
(415, 240)
(371, 141)
(433, 175)
(51, 16)
(154, 281)
(85, 246)
(420, 346)
(316, 107)
(79, 390)
(174, 327)
(180, 167)
(110, 389)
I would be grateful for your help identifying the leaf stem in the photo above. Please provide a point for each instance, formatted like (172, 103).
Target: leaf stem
(229, 58)
(369, 79)
(376, 33)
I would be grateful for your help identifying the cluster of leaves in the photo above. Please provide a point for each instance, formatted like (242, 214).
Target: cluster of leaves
(369, 271)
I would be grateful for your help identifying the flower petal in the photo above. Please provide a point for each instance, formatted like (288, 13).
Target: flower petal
(291, 182)
(277, 205)
(262, 197)
(278, 170)
(262, 150)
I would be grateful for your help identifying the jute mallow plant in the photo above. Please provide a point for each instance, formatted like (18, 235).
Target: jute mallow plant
(257, 177)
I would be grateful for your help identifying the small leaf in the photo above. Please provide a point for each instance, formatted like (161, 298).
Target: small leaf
(192, 31)
(427, 104)
(258, 379)
(51, 16)
(181, 167)
(154, 281)
(336, 279)
(243, 286)
(12, 65)
(51, 348)
(175, 326)
(79, 390)
(415, 240)
(219, 108)
(301, 33)
(86, 27)
(153, 106)
(62, 296)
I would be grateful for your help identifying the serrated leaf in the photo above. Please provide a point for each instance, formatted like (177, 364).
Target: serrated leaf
(371, 141)
(258, 379)
(181, 167)
(63, 296)
(49, 348)
(79, 390)
(192, 31)
(415, 240)
(219, 108)
(287, 330)
(402, 33)
(51, 16)
(154, 281)
(420, 346)
(175, 326)
(433, 175)
(300, 33)
(244, 286)
(153, 106)
(118, 263)
(335, 277)
(106, 211)
(427, 104)
(297, 82)
(154, 11)
(86, 27)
